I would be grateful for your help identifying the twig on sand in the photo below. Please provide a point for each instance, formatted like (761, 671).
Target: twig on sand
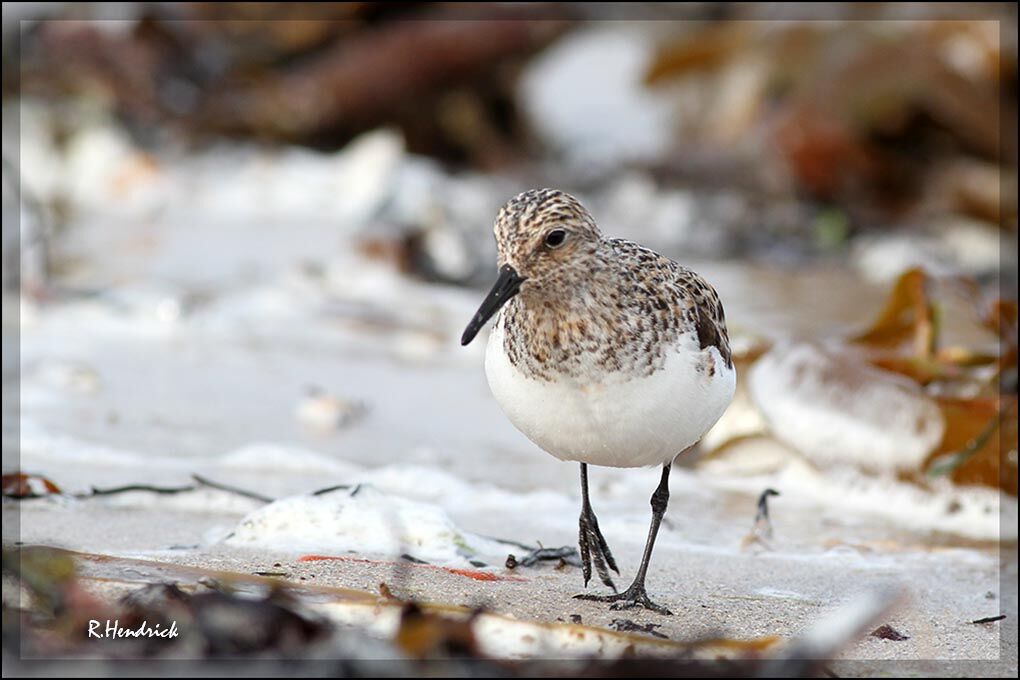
(990, 619)
(330, 489)
(232, 489)
(137, 487)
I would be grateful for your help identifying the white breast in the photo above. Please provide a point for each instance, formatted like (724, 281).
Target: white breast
(613, 419)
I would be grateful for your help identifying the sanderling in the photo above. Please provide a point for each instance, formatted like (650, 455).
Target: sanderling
(604, 353)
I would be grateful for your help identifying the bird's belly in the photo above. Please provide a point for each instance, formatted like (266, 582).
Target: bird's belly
(614, 419)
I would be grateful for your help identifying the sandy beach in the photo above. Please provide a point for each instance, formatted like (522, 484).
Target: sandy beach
(428, 450)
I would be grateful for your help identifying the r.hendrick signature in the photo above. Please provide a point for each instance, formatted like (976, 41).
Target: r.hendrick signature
(115, 630)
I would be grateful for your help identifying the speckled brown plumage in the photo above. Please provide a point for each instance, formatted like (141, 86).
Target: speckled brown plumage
(604, 353)
(596, 304)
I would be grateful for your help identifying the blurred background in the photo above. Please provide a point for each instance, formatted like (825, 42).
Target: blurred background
(710, 130)
(240, 241)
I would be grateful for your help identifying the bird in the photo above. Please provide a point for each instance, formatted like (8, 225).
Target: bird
(604, 353)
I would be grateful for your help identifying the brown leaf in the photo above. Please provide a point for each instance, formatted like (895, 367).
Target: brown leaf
(905, 338)
(980, 435)
(949, 364)
(21, 485)
(908, 315)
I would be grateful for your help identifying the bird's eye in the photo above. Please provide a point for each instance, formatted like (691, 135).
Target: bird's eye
(555, 238)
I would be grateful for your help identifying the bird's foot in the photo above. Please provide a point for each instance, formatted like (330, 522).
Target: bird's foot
(632, 598)
(594, 547)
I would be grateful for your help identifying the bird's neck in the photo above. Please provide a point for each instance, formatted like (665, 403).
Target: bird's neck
(549, 329)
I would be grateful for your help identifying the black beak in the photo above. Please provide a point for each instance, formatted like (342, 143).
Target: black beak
(507, 285)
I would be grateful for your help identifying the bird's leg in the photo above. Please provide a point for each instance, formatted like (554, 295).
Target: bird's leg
(635, 595)
(590, 540)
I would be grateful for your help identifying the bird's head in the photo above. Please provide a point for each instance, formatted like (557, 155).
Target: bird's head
(546, 240)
